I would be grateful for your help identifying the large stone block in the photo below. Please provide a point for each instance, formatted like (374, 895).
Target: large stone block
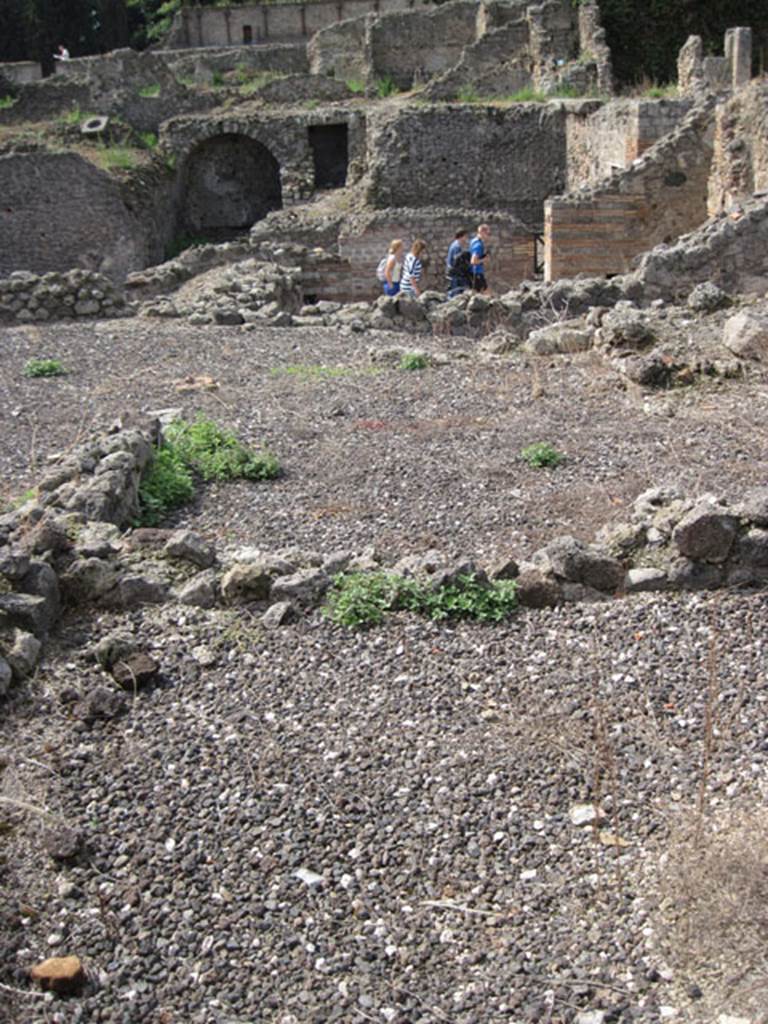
(706, 533)
(746, 335)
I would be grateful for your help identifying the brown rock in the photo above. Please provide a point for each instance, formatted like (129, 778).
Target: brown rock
(63, 975)
(63, 844)
(134, 671)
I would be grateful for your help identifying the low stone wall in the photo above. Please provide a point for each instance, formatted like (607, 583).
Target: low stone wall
(21, 72)
(65, 548)
(30, 298)
(660, 197)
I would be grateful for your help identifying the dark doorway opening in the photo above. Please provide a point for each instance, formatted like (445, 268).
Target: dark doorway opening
(229, 182)
(330, 153)
(247, 34)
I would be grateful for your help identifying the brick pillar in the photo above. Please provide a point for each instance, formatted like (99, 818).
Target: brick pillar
(738, 53)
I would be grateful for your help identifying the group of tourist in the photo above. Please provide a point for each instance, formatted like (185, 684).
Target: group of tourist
(401, 273)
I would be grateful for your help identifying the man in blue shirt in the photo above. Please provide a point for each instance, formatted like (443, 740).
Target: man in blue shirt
(478, 249)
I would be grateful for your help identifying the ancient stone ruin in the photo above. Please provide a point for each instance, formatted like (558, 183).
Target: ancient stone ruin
(204, 220)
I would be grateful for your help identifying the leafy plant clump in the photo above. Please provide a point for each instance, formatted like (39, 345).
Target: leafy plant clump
(150, 91)
(166, 485)
(385, 87)
(148, 140)
(118, 158)
(44, 368)
(362, 598)
(216, 454)
(201, 449)
(542, 455)
(414, 361)
(6, 102)
(355, 85)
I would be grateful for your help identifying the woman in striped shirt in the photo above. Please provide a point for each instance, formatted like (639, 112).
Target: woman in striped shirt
(410, 278)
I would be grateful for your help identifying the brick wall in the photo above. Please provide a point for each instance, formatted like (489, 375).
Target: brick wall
(661, 196)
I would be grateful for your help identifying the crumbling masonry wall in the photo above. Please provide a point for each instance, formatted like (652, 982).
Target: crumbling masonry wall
(495, 158)
(740, 163)
(74, 215)
(661, 196)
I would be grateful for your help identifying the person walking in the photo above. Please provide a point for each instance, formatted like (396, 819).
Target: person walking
(413, 268)
(478, 249)
(455, 249)
(62, 53)
(393, 267)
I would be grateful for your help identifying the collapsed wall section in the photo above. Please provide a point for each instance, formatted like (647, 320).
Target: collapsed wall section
(661, 196)
(484, 157)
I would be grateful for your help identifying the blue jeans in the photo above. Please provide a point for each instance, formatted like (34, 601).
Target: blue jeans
(392, 289)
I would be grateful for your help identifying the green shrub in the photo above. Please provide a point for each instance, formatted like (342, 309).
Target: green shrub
(541, 455)
(356, 85)
(75, 116)
(216, 454)
(148, 140)
(385, 87)
(6, 102)
(217, 78)
(414, 361)
(467, 94)
(44, 368)
(362, 598)
(166, 485)
(149, 91)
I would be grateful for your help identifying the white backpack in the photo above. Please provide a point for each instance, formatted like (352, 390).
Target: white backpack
(381, 270)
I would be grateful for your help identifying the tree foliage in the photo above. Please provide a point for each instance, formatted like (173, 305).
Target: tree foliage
(645, 36)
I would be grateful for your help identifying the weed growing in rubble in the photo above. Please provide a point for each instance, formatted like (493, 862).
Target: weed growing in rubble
(118, 158)
(44, 368)
(360, 599)
(385, 87)
(414, 361)
(542, 455)
(216, 454)
(149, 91)
(355, 85)
(166, 485)
(6, 102)
(201, 449)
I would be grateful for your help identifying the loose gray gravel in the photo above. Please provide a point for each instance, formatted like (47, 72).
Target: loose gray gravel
(313, 825)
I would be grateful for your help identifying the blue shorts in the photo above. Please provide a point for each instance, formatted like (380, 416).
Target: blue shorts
(392, 289)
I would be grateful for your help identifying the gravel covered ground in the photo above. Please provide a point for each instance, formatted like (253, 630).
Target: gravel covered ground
(314, 825)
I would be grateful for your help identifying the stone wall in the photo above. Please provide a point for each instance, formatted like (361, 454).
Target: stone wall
(604, 137)
(697, 74)
(75, 216)
(412, 46)
(731, 254)
(661, 196)
(21, 72)
(467, 155)
(286, 138)
(262, 23)
(740, 164)
(35, 298)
